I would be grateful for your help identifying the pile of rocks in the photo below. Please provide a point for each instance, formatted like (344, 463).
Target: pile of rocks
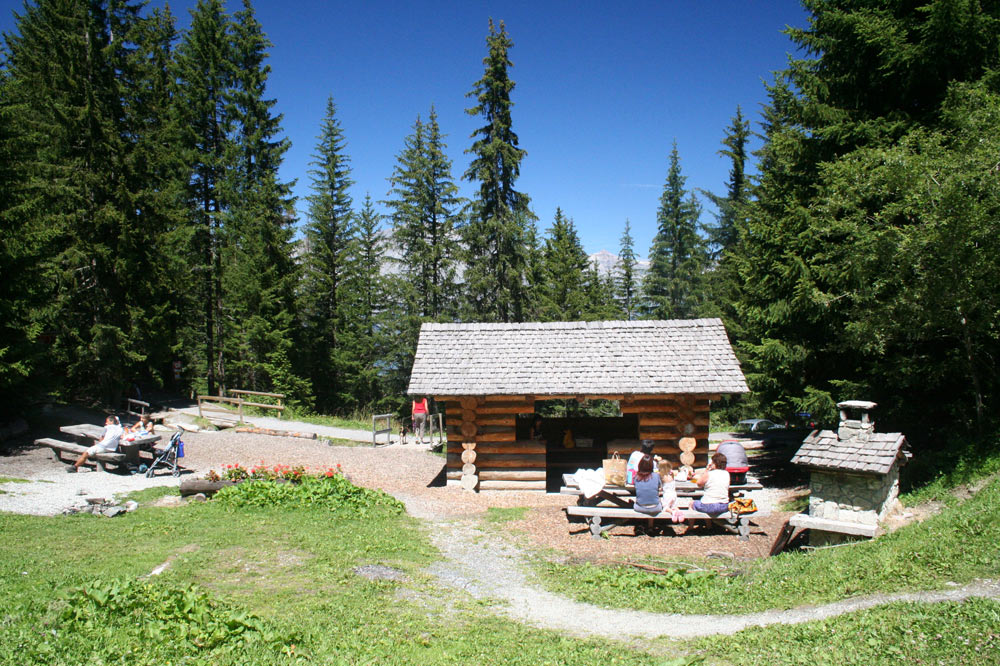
(103, 506)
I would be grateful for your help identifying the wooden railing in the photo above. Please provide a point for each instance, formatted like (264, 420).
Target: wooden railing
(204, 403)
(278, 396)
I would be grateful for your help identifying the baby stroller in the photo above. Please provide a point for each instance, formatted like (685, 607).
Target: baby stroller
(168, 456)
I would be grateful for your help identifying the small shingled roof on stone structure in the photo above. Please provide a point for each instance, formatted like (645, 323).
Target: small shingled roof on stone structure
(825, 450)
(576, 358)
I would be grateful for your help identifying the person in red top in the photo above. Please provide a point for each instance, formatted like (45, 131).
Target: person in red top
(419, 413)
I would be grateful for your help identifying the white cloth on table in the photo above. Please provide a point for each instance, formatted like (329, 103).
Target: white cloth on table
(589, 481)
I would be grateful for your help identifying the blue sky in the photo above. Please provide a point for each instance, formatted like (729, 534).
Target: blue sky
(603, 89)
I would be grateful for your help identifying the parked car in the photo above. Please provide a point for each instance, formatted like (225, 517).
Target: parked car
(756, 426)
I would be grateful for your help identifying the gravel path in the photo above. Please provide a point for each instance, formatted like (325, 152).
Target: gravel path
(491, 568)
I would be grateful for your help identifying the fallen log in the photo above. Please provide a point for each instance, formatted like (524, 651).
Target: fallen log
(276, 433)
(208, 488)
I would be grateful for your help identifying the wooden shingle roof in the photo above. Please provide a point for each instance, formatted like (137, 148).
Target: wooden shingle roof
(824, 450)
(576, 358)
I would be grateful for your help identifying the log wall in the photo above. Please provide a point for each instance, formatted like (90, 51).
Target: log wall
(482, 431)
(665, 419)
(483, 450)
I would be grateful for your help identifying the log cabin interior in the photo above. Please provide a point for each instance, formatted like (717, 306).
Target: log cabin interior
(600, 388)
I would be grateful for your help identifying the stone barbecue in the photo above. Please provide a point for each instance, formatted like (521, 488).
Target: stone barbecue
(854, 476)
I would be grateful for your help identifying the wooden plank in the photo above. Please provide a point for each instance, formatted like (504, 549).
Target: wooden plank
(496, 408)
(496, 420)
(512, 447)
(619, 396)
(484, 463)
(506, 398)
(512, 485)
(645, 420)
(469, 403)
(508, 436)
(637, 408)
(512, 474)
(555, 397)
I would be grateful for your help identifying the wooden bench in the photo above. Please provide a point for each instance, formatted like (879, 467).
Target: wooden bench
(103, 459)
(600, 519)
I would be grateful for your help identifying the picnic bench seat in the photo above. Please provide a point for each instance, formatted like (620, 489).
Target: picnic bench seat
(600, 519)
(103, 459)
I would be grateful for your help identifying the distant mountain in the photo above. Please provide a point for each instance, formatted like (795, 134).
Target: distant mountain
(608, 262)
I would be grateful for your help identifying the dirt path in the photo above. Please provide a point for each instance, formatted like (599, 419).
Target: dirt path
(488, 567)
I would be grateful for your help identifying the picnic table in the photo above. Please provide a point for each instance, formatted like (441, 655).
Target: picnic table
(86, 434)
(624, 496)
(600, 519)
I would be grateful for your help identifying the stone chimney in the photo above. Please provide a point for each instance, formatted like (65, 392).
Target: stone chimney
(855, 422)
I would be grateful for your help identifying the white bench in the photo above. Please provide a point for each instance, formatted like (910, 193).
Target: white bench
(600, 519)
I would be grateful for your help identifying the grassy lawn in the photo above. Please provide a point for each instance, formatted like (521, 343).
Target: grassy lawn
(277, 585)
(248, 585)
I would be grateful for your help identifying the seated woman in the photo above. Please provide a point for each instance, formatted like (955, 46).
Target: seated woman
(646, 448)
(715, 481)
(647, 488)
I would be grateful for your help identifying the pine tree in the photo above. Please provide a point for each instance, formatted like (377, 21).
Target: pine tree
(65, 66)
(626, 284)
(259, 273)
(497, 261)
(721, 282)
(22, 249)
(326, 300)
(426, 221)
(562, 293)
(672, 287)
(155, 242)
(372, 311)
(731, 207)
(204, 74)
(866, 137)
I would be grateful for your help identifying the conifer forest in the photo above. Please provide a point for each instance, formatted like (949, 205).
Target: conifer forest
(143, 221)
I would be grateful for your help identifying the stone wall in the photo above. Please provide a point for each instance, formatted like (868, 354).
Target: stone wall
(851, 498)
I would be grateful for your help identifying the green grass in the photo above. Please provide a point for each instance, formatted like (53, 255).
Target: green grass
(11, 479)
(333, 441)
(950, 469)
(945, 633)
(957, 545)
(253, 585)
(147, 495)
(356, 422)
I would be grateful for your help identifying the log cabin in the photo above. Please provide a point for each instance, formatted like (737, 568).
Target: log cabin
(653, 380)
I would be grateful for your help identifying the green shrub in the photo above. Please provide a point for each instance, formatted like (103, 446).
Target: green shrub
(115, 621)
(332, 491)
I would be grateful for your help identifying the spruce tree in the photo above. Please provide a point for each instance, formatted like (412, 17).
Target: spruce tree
(672, 287)
(562, 293)
(426, 221)
(67, 66)
(326, 301)
(372, 311)
(204, 74)
(496, 260)
(867, 137)
(626, 284)
(259, 273)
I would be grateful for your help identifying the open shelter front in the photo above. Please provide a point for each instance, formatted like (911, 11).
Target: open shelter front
(661, 377)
